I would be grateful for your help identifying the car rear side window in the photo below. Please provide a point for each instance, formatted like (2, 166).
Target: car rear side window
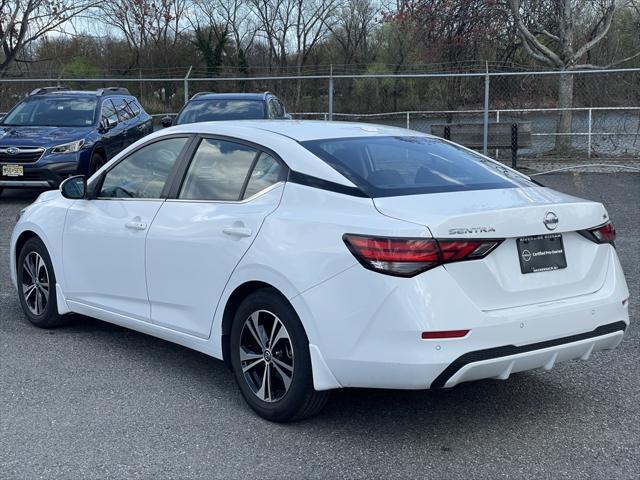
(217, 171)
(135, 108)
(267, 171)
(143, 173)
(276, 110)
(123, 110)
(406, 165)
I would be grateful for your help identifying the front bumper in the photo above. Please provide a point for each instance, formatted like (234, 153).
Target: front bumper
(42, 174)
(368, 327)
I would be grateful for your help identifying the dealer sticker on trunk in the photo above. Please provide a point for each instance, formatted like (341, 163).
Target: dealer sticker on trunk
(541, 253)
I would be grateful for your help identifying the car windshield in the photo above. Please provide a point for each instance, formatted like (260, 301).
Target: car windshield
(391, 166)
(212, 110)
(53, 112)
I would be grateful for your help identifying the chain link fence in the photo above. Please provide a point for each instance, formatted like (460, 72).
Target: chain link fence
(604, 116)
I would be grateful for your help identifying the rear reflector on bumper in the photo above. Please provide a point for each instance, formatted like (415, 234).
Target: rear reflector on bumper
(444, 334)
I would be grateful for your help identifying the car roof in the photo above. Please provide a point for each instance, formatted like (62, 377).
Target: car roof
(230, 96)
(104, 93)
(303, 130)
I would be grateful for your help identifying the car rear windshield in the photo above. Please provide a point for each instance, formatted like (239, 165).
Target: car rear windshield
(212, 110)
(53, 112)
(392, 166)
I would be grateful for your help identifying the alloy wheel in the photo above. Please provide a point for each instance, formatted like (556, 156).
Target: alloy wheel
(35, 283)
(266, 356)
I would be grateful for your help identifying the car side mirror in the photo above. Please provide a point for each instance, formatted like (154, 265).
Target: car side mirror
(74, 188)
(166, 121)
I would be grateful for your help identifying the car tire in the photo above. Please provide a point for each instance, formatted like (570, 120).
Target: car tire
(97, 161)
(37, 285)
(268, 345)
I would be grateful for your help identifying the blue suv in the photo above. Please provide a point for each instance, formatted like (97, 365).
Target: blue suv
(55, 132)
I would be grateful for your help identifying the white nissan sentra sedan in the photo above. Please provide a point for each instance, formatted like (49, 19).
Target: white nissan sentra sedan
(312, 256)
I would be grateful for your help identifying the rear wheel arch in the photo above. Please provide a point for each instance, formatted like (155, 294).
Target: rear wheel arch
(233, 302)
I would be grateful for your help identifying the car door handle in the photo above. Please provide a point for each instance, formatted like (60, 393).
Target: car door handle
(133, 225)
(237, 231)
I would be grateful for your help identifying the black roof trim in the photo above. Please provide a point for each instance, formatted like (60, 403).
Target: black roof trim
(315, 182)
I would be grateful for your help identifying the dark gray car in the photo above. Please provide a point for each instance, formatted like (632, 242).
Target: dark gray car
(209, 107)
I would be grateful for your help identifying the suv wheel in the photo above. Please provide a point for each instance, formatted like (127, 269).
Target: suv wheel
(270, 359)
(37, 285)
(97, 161)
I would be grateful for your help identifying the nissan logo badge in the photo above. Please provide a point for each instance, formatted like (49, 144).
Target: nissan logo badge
(550, 221)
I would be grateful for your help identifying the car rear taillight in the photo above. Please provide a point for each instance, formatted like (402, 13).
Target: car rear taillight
(406, 257)
(603, 234)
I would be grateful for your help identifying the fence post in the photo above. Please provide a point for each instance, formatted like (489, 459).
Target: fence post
(186, 85)
(589, 136)
(497, 121)
(514, 145)
(485, 133)
(331, 93)
(408, 121)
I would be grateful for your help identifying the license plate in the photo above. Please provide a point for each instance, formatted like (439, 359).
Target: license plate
(541, 253)
(12, 171)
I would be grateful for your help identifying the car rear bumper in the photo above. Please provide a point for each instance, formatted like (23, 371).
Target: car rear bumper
(501, 362)
(373, 339)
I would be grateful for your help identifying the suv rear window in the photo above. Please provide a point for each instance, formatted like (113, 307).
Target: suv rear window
(212, 110)
(392, 166)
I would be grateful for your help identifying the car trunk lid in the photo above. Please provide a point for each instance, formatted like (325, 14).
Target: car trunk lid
(497, 281)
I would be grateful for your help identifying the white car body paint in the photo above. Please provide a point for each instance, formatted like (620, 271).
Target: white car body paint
(173, 278)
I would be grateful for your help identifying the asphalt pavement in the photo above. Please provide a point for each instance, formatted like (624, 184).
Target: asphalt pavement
(94, 400)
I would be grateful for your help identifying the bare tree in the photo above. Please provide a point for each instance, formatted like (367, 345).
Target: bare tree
(293, 28)
(559, 34)
(234, 19)
(146, 24)
(275, 22)
(353, 28)
(24, 22)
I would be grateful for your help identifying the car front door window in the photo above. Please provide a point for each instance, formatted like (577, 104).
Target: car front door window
(108, 113)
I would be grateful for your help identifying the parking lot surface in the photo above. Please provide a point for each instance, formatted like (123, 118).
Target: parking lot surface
(94, 400)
